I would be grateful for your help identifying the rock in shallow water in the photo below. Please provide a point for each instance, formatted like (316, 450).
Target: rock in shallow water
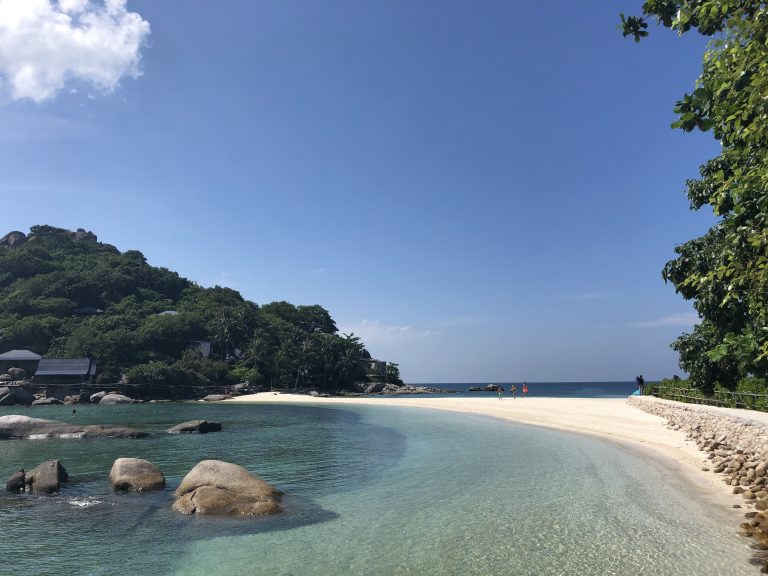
(17, 426)
(17, 482)
(46, 478)
(135, 474)
(216, 487)
(198, 426)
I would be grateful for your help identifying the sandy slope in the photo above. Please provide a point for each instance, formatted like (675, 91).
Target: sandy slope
(607, 418)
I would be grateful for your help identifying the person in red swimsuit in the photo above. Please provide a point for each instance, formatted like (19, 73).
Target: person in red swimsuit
(525, 389)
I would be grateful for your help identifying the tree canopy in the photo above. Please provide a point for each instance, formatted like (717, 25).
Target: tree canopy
(67, 295)
(725, 272)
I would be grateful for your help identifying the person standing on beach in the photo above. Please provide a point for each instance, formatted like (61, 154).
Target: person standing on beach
(513, 391)
(525, 389)
(500, 390)
(640, 383)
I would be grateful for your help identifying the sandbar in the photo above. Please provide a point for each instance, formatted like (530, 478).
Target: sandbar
(612, 419)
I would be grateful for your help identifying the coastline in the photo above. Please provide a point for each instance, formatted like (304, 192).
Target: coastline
(608, 419)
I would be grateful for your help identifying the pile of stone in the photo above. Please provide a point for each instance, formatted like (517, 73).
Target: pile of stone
(738, 449)
(211, 487)
(395, 389)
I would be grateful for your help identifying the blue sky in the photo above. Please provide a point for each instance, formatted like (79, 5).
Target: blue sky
(483, 191)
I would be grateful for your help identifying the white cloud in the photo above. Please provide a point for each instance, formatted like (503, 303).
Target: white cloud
(686, 319)
(373, 332)
(44, 44)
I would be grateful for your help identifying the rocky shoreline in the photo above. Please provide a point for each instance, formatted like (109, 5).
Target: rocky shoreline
(737, 447)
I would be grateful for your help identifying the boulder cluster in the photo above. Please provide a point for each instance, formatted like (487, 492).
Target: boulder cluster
(21, 396)
(14, 238)
(211, 487)
(388, 389)
(45, 478)
(737, 448)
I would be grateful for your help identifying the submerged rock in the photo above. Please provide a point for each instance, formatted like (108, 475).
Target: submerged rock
(17, 426)
(216, 487)
(46, 478)
(135, 474)
(198, 426)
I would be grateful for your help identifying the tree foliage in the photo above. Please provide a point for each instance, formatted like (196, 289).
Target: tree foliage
(67, 298)
(725, 272)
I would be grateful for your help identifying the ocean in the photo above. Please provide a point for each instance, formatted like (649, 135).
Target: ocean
(542, 389)
(370, 490)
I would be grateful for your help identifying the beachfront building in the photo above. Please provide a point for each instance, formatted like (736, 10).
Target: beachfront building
(25, 359)
(65, 371)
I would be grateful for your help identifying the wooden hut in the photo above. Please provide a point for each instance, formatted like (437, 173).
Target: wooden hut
(65, 371)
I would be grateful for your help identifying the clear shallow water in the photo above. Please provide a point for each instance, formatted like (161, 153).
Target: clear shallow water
(371, 491)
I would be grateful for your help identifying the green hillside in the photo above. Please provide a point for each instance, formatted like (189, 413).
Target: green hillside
(64, 294)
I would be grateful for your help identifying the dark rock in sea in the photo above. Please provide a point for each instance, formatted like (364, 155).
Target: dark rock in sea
(96, 398)
(46, 402)
(46, 478)
(216, 397)
(198, 426)
(17, 482)
(115, 399)
(216, 487)
(17, 426)
(135, 474)
(475, 389)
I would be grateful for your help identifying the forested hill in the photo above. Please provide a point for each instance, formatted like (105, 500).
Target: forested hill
(64, 294)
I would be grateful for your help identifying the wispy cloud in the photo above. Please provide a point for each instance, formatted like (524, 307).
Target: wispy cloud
(44, 44)
(686, 319)
(373, 331)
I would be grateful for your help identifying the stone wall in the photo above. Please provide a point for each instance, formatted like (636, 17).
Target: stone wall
(737, 447)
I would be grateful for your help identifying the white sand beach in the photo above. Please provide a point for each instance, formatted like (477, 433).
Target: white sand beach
(607, 418)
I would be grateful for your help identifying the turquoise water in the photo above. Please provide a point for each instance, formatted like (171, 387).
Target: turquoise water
(370, 491)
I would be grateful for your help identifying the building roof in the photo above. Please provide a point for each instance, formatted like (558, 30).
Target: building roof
(16, 355)
(65, 367)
